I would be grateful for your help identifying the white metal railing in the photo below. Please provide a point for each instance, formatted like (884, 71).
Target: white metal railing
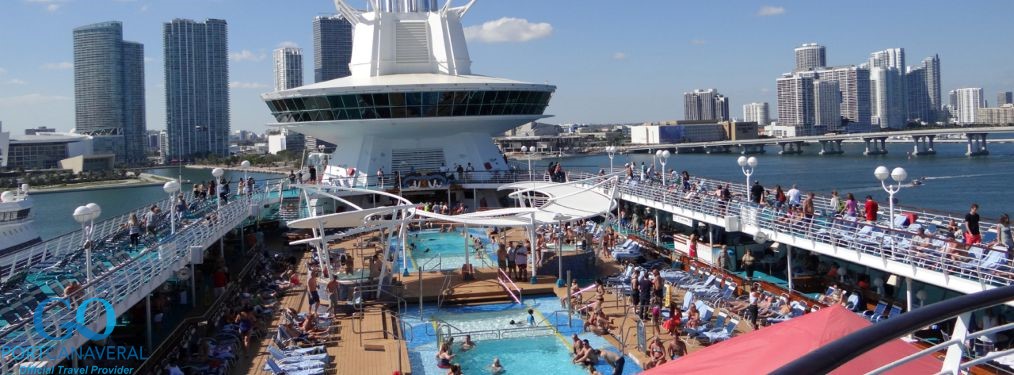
(128, 283)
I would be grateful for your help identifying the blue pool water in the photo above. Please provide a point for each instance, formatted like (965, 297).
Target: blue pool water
(522, 349)
(433, 250)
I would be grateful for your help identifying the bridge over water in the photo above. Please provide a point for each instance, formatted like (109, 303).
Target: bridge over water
(830, 144)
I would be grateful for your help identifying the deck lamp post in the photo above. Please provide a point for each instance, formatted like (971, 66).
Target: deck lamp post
(559, 218)
(86, 215)
(171, 188)
(218, 172)
(898, 175)
(747, 165)
(525, 150)
(611, 151)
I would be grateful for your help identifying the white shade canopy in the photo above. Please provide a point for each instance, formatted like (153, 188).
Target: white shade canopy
(217, 172)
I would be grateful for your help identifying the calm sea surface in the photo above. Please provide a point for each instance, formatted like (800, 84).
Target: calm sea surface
(953, 180)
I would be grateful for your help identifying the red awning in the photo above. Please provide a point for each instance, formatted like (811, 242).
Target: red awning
(765, 350)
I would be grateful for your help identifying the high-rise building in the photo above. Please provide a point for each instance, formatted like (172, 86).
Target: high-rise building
(288, 68)
(887, 98)
(705, 105)
(854, 84)
(917, 94)
(922, 86)
(795, 100)
(197, 88)
(109, 90)
(810, 56)
(1004, 97)
(332, 47)
(931, 67)
(757, 112)
(967, 101)
(888, 58)
(827, 104)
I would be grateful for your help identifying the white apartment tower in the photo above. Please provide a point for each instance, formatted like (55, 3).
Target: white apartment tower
(967, 101)
(757, 112)
(887, 98)
(827, 104)
(288, 68)
(795, 100)
(810, 56)
(705, 105)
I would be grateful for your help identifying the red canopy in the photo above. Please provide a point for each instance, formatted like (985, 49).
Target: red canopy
(767, 349)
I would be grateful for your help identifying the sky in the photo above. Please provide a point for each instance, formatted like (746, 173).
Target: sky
(612, 61)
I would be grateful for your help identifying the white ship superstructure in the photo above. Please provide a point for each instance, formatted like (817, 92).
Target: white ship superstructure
(412, 102)
(16, 230)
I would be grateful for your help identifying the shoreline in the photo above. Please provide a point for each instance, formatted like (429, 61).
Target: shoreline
(143, 180)
(274, 170)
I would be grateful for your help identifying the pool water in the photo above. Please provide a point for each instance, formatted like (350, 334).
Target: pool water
(522, 349)
(434, 250)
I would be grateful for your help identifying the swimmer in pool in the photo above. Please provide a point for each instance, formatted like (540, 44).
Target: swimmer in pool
(496, 367)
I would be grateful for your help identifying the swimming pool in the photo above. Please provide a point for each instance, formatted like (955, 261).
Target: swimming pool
(522, 349)
(434, 250)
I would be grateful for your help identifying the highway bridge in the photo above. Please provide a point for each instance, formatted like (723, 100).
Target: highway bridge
(831, 143)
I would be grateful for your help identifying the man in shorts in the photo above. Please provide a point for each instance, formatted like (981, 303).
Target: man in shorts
(311, 288)
(972, 234)
(521, 259)
(613, 359)
(501, 257)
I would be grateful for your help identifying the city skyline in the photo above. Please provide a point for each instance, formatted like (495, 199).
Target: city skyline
(641, 77)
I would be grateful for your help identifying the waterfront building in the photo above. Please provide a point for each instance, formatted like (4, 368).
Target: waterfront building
(923, 90)
(887, 98)
(827, 105)
(1004, 97)
(678, 132)
(48, 150)
(109, 89)
(151, 145)
(411, 101)
(757, 112)
(931, 70)
(854, 85)
(288, 68)
(810, 56)
(966, 102)
(1002, 115)
(197, 88)
(332, 47)
(795, 100)
(888, 58)
(705, 105)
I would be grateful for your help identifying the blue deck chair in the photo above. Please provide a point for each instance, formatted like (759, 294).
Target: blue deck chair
(277, 369)
(895, 311)
(874, 314)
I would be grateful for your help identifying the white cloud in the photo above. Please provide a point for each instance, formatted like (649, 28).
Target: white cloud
(30, 99)
(698, 42)
(508, 30)
(50, 5)
(58, 66)
(769, 10)
(288, 44)
(247, 85)
(619, 56)
(3, 71)
(16, 81)
(247, 55)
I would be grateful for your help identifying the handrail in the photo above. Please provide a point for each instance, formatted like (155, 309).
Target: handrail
(503, 276)
(829, 357)
(444, 286)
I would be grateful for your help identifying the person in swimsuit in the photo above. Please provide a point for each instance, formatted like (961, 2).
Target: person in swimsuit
(445, 356)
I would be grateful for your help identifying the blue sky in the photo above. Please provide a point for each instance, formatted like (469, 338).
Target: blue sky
(613, 61)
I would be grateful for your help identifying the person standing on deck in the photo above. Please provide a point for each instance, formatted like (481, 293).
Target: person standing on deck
(756, 192)
(512, 268)
(870, 209)
(794, 196)
(311, 289)
(313, 174)
(972, 235)
(521, 260)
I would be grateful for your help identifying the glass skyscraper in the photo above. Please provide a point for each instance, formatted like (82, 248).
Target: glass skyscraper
(109, 90)
(332, 47)
(196, 89)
